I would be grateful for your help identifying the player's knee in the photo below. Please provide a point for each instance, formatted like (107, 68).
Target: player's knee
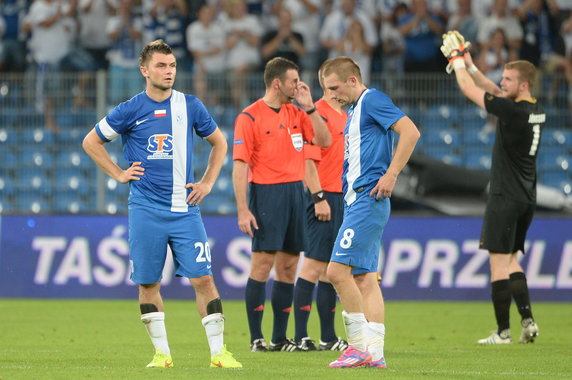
(214, 306)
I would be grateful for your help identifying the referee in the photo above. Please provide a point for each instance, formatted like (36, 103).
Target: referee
(512, 199)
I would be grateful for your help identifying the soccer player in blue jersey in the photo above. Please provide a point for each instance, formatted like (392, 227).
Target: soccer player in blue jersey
(156, 128)
(370, 173)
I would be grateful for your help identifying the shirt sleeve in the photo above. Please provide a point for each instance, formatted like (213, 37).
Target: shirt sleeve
(501, 107)
(203, 124)
(381, 108)
(243, 137)
(312, 152)
(113, 125)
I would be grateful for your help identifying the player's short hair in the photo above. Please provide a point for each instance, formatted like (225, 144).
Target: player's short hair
(277, 68)
(526, 71)
(321, 72)
(343, 67)
(157, 46)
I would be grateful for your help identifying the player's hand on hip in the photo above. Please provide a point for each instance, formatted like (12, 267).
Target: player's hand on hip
(198, 193)
(384, 187)
(246, 222)
(132, 173)
(322, 211)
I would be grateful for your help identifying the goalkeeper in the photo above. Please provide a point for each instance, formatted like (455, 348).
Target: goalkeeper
(512, 198)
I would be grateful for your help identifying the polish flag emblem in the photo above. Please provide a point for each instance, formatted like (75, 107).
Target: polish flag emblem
(160, 113)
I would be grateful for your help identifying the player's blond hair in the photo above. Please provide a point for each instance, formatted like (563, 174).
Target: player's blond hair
(526, 71)
(321, 72)
(157, 46)
(343, 67)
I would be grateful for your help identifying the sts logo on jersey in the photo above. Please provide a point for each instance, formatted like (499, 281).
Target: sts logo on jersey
(161, 147)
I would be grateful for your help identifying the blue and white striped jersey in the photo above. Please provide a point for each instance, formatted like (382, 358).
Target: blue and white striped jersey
(160, 135)
(368, 141)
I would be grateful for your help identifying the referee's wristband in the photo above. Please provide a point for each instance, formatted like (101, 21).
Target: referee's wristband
(309, 112)
(319, 196)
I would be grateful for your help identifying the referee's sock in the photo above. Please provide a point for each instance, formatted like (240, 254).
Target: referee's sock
(254, 296)
(501, 296)
(281, 298)
(519, 289)
(303, 294)
(326, 305)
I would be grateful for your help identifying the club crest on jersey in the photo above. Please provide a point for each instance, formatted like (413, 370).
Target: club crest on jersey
(161, 147)
(160, 113)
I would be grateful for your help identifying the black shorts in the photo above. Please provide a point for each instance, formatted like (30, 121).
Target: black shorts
(322, 235)
(505, 224)
(279, 210)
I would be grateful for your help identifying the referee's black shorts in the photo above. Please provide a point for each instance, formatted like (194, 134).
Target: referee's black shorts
(322, 235)
(505, 224)
(280, 212)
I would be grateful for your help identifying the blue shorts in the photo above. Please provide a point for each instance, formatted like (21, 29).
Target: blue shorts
(280, 213)
(359, 240)
(150, 230)
(322, 235)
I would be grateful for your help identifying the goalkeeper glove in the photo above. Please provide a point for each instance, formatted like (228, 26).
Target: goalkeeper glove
(454, 48)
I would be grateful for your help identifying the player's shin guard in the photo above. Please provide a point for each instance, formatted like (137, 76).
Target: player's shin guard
(355, 325)
(214, 327)
(155, 325)
(519, 289)
(501, 296)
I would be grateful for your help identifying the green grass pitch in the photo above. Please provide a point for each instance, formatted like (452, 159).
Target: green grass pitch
(95, 339)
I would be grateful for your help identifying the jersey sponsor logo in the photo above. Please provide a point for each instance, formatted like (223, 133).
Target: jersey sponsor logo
(160, 113)
(161, 147)
(141, 121)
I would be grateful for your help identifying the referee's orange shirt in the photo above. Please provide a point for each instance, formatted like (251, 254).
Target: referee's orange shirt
(272, 142)
(331, 165)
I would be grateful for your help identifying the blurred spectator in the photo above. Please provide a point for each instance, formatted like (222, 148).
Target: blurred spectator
(336, 24)
(355, 46)
(205, 41)
(283, 42)
(393, 42)
(243, 32)
(542, 44)
(92, 17)
(492, 60)
(306, 21)
(49, 26)
(422, 31)
(464, 21)
(167, 20)
(125, 31)
(500, 17)
(12, 44)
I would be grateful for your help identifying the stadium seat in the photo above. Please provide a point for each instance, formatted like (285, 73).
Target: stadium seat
(550, 159)
(31, 201)
(35, 179)
(73, 179)
(69, 202)
(34, 156)
(7, 187)
(477, 160)
(74, 158)
(559, 137)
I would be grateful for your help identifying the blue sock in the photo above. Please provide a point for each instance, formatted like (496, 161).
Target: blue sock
(326, 302)
(254, 297)
(281, 298)
(303, 294)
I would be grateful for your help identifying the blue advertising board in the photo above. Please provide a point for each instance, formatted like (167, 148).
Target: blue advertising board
(423, 258)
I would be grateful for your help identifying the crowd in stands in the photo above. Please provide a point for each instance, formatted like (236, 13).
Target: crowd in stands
(231, 38)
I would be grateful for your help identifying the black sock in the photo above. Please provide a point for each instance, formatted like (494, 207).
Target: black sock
(281, 298)
(519, 290)
(326, 303)
(254, 296)
(303, 294)
(501, 296)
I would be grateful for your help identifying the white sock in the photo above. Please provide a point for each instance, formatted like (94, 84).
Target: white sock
(355, 325)
(375, 339)
(155, 325)
(214, 327)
